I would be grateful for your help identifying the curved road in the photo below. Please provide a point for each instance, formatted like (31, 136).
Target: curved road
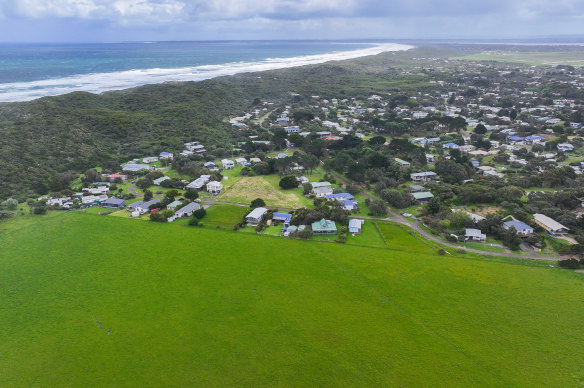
(398, 218)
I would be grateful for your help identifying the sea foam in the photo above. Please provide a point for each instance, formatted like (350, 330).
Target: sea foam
(101, 82)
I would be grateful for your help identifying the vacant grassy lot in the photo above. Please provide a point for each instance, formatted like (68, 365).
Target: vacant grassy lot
(247, 189)
(224, 216)
(87, 300)
(574, 58)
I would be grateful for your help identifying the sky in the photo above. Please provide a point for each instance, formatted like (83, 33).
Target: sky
(142, 20)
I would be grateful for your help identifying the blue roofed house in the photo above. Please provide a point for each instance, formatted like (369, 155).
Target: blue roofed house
(355, 225)
(339, 196)
(283, 218)
(114, 203)
(450, 146)
(521, 227)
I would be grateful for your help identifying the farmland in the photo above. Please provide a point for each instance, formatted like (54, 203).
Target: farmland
(574, 58)
(247, 189)
(88, 300)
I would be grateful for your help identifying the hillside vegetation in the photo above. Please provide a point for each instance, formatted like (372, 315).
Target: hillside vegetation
(73, 132)
(88, 300)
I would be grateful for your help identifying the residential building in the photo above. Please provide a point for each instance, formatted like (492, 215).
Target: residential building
(565, 147)
(550, 225)
(471, 234)
(292, 129)
(241, 161)
(256, 216)
(214, 187)
(324, 227)
(198, 183)
(135, 167)
(187, 210)
(521, 227)
(227, 164)
(355, 225)
(150, 159)
(402, 163)
(422, 177)
(114, 203)
(423, 197)
(158, 181)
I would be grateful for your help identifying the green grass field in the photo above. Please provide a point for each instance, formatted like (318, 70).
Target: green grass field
(87, 300)
(224, 216)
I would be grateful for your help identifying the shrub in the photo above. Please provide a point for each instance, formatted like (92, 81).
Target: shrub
(441, 251)
(199, 213)
(570, 263)
(258, 202)
(288, 182)
(194, 221)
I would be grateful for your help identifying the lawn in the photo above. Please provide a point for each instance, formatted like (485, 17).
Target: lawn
(247, 189)
(102, 301)
(224, 216)
(369, 237)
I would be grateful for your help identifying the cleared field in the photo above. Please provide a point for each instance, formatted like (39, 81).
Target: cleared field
(369, 236)
(87, 300)
(247, 189)
(224, 216)
(574, 58)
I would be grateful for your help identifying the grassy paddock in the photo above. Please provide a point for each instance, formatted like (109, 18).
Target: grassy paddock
(100, 301)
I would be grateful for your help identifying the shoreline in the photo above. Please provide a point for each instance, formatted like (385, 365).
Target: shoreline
(98, 83)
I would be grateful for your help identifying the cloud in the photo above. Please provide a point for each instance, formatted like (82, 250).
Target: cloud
(290, 19)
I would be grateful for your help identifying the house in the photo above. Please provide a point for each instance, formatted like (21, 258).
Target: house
(324, 227)
(187, 210)
(321, 189)
(349, 204)
(430, 158)
(150, 159)
(474, 217)
(122, 177)
(283, 218)
(241, 161)
(166, 156)
(422, 177)
(210, 165)
(281, 155)
(521, 227)
(96, 190)
(256, 216)
(293, 129)
(214, 187)
(302, 180)
(227, 164)
(198, 183)
(355, 225)
(453, 146)
(471, 234)
(90, 200)
(339, 196)
(550, 225)
(402, 163)
(565, 147)
(423, 197)
(158, 181)
(114, 203)
(62, 202)
(255, 160)
(141, 207)
(173, 205)
(416, 188)
(283, 121)
(135, 167)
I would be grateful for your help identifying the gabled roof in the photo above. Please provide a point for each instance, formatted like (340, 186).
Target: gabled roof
(324, 225)
(518, 225)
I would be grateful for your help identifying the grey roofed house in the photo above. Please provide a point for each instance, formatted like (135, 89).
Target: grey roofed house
(471, 234)
(256, 215)
(187, 210)
(322, 191)
(142, 206)
(135, 167)
(114, 203)
(158, 181)
(422, 197)
(416, 188)
(550, 225)
(474, 217)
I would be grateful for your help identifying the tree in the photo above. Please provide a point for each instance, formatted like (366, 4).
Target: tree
(199, 213)
(288, 182)
(377, 140)
(147, 195)
(377, 207)
(258, 202)
(143, 183)
(191, 194)
(311, 162)
(480, 129)
(10, 204)
(306, 188)
(172, 194)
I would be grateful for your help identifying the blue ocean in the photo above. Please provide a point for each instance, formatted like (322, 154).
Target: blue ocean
(30, 71)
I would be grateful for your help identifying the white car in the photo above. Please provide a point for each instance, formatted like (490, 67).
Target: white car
(406, 215)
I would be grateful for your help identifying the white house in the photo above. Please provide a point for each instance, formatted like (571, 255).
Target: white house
(188, 210)
(241, 161)
(198, 183)
(214, 187)
(471, 234)
(420, 177)
(150, 159)
(227, 164)
(292, 129)
(321, 189)
(256, 215)
(565, 147)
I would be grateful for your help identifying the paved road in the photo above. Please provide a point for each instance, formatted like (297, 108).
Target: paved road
(395, 217)
(132, 190)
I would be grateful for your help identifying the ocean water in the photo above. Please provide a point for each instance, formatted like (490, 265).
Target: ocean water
(30, 71)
